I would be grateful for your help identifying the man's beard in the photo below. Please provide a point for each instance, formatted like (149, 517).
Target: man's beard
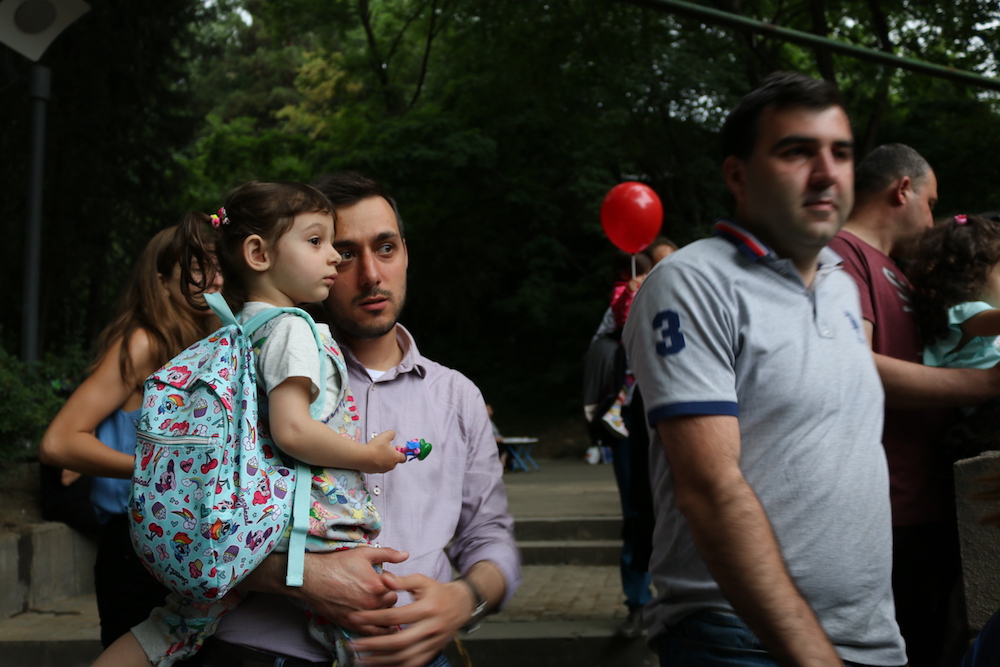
(359, 330)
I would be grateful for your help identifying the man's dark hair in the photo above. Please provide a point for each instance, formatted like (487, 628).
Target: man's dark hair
(778, 90)
(884, 166)
(346, 188)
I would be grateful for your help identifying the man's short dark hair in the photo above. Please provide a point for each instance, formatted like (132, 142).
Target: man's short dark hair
(346, 188)
(884, 166)
(778, 90)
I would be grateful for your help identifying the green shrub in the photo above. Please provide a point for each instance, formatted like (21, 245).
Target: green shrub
(30, 396)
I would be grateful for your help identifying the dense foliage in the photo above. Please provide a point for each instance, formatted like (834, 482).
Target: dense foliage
(498, 126)
(30, 396)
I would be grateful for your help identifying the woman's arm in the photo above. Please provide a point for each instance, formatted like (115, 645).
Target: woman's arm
(312, 441)
(69, 442)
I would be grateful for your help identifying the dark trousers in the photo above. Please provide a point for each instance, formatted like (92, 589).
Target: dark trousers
(126, 591)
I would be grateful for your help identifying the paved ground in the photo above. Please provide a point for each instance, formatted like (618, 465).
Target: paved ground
(576, 594)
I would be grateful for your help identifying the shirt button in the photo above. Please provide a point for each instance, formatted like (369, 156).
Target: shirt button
(377, 490)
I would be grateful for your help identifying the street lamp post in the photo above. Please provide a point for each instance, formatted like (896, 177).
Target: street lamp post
(28, 27)
(39, 86)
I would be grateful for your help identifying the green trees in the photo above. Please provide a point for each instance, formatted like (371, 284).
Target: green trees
(498, 126)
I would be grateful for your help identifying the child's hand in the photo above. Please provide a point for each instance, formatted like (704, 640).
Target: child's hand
(383, 457)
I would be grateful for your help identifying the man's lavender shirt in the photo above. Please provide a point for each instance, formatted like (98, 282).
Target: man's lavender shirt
(453, 499)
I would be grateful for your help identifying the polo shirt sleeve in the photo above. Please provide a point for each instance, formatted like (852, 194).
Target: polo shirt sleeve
(681, 341)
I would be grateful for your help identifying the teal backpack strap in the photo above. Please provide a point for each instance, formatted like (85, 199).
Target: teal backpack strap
(300, 525)
(303, 475)
(221, 308)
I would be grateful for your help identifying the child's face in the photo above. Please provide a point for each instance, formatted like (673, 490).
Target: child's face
(991, 290)
(305, 261)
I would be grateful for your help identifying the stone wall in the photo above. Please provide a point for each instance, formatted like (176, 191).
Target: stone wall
(980, 543)
(44, 563)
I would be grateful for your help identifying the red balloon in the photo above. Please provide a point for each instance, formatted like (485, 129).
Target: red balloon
(631, 215)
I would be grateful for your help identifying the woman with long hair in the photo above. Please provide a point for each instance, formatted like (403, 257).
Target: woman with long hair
(161, 313)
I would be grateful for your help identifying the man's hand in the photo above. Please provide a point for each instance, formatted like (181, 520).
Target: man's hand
(433, 618)
(341, 582)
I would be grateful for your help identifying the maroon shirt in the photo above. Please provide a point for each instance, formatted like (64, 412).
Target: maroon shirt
(919, 476)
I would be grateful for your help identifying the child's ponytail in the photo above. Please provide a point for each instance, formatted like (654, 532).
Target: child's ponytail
(198, 262)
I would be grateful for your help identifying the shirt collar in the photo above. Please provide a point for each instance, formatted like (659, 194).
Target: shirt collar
(756, 250)
(746, 242)
(412, 361)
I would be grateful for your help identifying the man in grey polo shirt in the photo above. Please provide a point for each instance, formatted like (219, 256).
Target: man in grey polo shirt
(773, 539)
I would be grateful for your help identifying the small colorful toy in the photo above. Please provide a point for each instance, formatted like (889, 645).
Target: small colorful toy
(416, 449)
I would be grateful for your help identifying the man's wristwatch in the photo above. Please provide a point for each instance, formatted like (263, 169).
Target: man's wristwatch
(480, 610)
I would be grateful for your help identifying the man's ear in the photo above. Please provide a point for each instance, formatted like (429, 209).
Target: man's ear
(256, 253)
(901, 190)
(734, 173)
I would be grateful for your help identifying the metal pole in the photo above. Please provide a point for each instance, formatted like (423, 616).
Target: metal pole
(715, 16)
(39, 86)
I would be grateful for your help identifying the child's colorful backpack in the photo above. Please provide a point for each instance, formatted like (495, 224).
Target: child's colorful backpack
(211, 495)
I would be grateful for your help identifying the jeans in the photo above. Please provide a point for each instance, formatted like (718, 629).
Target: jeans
(635, 583)
(713, 639)
(440, 661)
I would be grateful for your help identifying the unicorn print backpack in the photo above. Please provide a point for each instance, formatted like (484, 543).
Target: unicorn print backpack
(211, 495)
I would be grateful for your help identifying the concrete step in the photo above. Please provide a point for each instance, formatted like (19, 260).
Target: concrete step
(569, 528)
(548, 644)
(46, 563)
(570, 552)
(561, 615)
(64, 633)
(552, 644)
(569, 540)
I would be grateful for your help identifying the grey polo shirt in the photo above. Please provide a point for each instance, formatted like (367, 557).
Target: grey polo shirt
(725, 327)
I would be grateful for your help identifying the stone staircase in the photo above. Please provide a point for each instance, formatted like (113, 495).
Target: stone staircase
(570, 602)
(565, 612)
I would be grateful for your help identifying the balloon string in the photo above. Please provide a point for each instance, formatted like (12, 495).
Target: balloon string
(633, 267)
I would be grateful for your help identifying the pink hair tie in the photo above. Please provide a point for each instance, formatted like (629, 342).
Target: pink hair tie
(961, 219)
(219, 219)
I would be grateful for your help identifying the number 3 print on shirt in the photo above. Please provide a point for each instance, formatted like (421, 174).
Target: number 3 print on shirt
(668, 324)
